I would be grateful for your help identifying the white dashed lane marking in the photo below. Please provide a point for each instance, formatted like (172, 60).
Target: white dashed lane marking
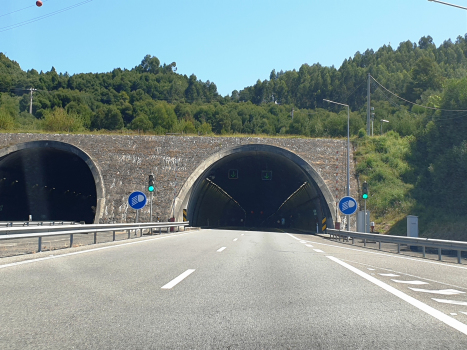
(221, 249)
(453, 302)
(318, 250)
(410, 282)
(309, 245)
(235, 240)
(441, 291)
(369, 268)
(388, 275)
(178, 279)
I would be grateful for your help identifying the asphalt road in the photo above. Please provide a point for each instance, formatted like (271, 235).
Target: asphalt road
(215, 289)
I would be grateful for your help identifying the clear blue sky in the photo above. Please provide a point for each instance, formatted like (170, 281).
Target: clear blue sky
(230, 43)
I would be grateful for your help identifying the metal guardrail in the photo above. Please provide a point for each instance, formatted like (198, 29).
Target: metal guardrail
(438, 244)
(32, 229)
(42, 231)
(37, 223)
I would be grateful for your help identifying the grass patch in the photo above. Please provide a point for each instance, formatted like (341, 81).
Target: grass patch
(381, 161)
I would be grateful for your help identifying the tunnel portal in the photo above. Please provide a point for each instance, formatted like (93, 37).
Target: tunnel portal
(257, 189)
(48, 183)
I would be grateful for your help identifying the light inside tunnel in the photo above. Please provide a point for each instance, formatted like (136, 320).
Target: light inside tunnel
(47, 183)
(256, 189)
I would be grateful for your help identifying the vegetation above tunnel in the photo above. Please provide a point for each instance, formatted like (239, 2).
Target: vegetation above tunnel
(417, 168)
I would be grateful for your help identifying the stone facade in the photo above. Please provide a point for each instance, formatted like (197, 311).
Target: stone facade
(124, 163)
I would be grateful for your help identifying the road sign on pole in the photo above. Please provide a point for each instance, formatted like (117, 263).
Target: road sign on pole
(348, 205)
(137, 200)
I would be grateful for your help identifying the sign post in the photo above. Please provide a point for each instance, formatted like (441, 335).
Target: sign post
(137, 200)
(348, 206)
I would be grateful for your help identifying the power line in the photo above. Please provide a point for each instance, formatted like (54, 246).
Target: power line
(416, 104)
(390, 98)
(35, 19)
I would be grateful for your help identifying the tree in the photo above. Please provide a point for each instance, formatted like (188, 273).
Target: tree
(141, 123)
(150, 64)
(60, 120)
(424, 75)
(107, 117)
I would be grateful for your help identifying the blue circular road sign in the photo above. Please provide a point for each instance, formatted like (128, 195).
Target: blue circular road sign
(348, 205)
(137, 200)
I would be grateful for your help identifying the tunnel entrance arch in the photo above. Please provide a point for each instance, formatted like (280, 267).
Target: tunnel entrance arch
(51, 181)
(256, 186)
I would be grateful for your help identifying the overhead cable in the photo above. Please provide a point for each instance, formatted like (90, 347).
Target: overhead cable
(35, 19)
(416, 104)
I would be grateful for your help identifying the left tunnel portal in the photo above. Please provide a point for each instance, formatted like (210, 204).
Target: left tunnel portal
(50, 183)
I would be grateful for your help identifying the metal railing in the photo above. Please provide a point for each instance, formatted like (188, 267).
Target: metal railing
(46, 231)
(37, 223)
(438, 244)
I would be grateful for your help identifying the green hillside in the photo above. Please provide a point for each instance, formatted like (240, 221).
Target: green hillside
(416, 167)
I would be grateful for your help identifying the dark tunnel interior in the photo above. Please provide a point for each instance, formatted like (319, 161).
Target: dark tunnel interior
(47, 183)
(254, 190)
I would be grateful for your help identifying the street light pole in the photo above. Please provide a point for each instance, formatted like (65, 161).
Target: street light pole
(348, 153)
(446, 3)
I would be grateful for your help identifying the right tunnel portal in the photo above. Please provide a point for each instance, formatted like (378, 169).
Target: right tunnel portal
(255, 188)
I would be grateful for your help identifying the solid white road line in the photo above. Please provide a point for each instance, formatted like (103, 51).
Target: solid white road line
(453, 302)
(90, 250)
(177, 280)
(386, 254)
(221, 249)
(441, 291)
(318, 250)
(417, 283)
(461, 327)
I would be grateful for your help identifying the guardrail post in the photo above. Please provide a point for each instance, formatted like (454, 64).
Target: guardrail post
(424, 251)
(95, 237)
(353, 241)
(71, 240)
(439, 254)
(398, 248)
(364, 242)
(379, 245)
(128, 234)
(160, 230)
(40, 245)
(459, 259)
(141, 232)
(113, 236)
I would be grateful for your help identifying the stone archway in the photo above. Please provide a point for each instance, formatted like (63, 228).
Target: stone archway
(299, 190)
(23, 161)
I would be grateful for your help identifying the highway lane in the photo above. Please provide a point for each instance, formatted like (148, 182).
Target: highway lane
(229, 289)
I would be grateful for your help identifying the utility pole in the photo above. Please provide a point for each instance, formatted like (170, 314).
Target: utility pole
(30, 103)
(368, 115)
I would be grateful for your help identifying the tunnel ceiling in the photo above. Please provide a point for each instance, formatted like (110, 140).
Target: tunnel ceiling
(256, 189)
(47, 183)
